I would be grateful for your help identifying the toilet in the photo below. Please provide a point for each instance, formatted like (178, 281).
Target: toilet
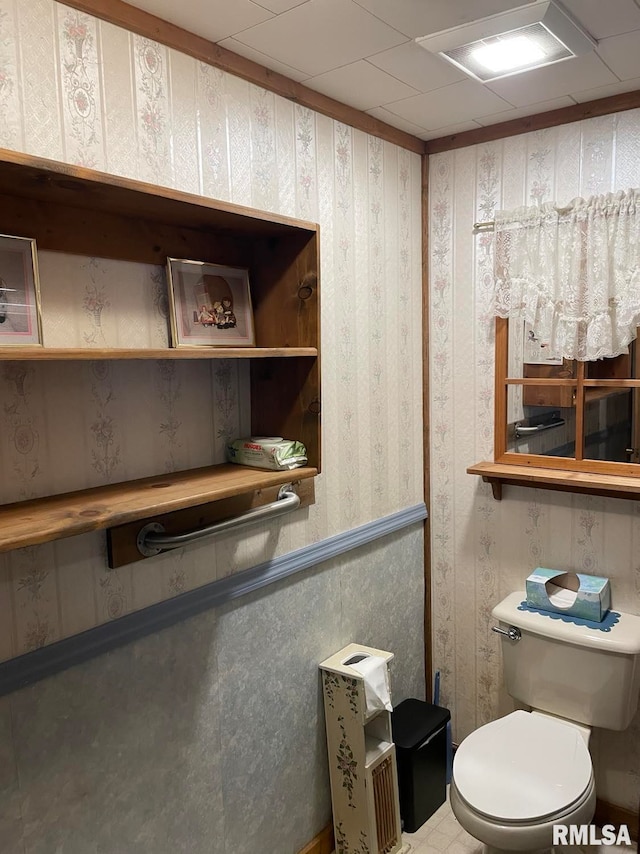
(516, 777)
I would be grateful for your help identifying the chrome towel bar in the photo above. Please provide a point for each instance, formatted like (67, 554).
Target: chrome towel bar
(152, 538)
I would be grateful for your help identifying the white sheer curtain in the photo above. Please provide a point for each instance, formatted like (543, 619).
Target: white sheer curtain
(572, 273)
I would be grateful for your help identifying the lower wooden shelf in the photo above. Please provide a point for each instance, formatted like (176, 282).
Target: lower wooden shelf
(41, 520)
(609, 485)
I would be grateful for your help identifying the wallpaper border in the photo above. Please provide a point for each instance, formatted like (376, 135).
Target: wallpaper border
(46, 661)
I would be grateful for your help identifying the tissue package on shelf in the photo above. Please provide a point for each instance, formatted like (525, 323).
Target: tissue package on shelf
(584, 596)
(273, 453)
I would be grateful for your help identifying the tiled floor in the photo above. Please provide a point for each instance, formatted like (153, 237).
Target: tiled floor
(443, 833)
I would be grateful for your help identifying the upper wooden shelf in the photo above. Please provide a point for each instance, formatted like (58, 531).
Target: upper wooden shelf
(40, 520)
(609, 485)
(51, 182)
(47, 354)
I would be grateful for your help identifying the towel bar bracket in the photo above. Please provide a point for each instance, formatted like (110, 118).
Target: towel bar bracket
(150, 528)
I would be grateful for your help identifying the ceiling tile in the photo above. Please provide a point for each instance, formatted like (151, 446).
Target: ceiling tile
(606, 91)
(422, 17)
(279, 6)
(268, 61)
(196, 16)
(450, 130)
(360, 85)
(321, 35)
(416, 67)
(449, 105)
(562, 78)
(385, 116)
(622, 54)
(523, 112)
(601, 19)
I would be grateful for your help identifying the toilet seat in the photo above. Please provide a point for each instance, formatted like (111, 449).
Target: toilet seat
(523, 768)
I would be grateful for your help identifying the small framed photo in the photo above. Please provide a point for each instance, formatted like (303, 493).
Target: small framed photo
(20, 323)
(209, 305)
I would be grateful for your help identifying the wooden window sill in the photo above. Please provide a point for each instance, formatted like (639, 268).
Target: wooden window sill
(588, 483)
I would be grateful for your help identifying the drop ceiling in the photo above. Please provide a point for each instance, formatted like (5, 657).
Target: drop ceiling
(363, 53)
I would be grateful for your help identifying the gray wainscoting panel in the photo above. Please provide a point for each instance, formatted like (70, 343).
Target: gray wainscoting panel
(206, 737)
(121, 755)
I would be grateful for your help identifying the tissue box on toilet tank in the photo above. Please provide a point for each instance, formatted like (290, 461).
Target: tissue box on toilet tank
(572, 593)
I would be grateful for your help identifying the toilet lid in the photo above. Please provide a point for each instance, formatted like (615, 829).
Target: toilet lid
(522, 767)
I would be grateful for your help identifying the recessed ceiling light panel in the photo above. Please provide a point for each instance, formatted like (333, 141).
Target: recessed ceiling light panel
(527, 37)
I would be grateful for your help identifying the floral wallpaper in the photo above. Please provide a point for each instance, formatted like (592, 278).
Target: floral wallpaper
(83, 91)
(220, 712)
(482, 549)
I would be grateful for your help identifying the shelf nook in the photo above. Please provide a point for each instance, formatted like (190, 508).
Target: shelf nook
(78, 211)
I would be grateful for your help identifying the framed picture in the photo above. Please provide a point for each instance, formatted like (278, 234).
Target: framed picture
(209, 305)
(19, 293)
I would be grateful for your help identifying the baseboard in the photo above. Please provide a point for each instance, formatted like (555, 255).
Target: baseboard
(322, 843)
(612, 814)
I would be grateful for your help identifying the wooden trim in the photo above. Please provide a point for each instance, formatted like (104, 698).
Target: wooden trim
(562, 480)
(92, 354)
(552, 118)
(500, 402)
(143, 23)
(428, 638)
(607, 813)
(323, 843)
(579, 407)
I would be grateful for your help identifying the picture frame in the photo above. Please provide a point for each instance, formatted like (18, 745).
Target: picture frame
(20, 313)
(209, 305)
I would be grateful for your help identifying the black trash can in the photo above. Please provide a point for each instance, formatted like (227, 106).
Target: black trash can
(420, 736)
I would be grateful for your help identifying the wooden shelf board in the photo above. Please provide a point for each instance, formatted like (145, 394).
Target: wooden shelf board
(42, 520)
(94, 354)
(38, 178)
(537, 477)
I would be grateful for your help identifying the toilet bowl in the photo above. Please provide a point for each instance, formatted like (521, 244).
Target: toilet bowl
(516, 777)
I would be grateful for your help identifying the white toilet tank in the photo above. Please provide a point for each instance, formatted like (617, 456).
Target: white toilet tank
(583, 674)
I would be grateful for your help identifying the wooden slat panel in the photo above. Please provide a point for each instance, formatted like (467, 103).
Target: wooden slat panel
(40, 520)
(121, 540)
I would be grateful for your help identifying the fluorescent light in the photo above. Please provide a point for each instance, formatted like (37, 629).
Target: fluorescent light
(507, 54)
(529, 36)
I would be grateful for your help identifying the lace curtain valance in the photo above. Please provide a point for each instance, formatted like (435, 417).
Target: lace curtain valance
(572, 273)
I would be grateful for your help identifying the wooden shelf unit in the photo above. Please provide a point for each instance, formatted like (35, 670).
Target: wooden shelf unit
(78, 211)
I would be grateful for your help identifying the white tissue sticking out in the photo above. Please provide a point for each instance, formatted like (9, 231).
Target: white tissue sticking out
(562, 592)
(376, 682)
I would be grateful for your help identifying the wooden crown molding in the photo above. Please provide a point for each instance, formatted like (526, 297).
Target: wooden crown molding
(145, 24)
(552, 118)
